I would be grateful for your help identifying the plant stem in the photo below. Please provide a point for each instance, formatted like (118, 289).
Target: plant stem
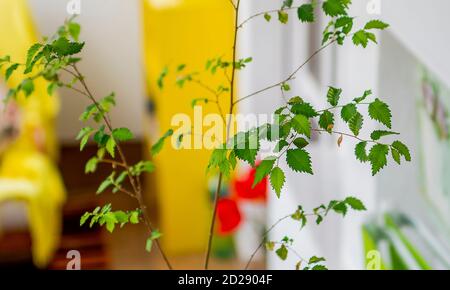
(135, 181)
(232, 93)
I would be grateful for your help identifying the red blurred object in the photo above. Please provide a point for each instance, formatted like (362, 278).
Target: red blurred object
(243, 187)
(229, 216)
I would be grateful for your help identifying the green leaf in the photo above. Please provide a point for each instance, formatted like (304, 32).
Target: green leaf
(63, 47)
(343, 21)
(355, 123)
(283, 17)
(299, 160)
(360, 152)
(134, 217)
(319, 267)
(306, 13)
(111, 147)
(277, 179)
(282, 252)
(302, 125)
(402, 150)
(9, 71)
(162, 76)
(380, 111)
(267, 17)
(280, 145)
(355, 203)
(348, 111)
(195, 101)
(91, 165)
(334, 7)
(333, 96)
(326, 121)
(361, 38)
(396, 155)
(51, 88)
(30, 55)
(378, 157)
(122, 134)
(301, 142)
(27, 87)
(304, 109)
(263, 169)
(110, 220)
(287, 4)
(376, 24)
(377, 134)
(74, 30)
(154, 235)
(157, 147)
(340, 208)
(84, 135)
(285, 87)
(363, 97)
(84, 218)
(105, 184)
(314, 260)
(121, 216)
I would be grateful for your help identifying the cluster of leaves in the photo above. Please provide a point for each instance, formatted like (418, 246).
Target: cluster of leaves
(50, 59)
(291, 133)
(339, 26)
(283, 247)
(105, 216)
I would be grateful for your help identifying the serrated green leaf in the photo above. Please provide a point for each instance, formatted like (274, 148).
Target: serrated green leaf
(376, 24)
(378, 157)
(111, 147)
(360, 152)
(377, 134)
(355, 123)
(263, 169)
(396, 155)
(63, 47)
(30, 56)
(122, 134)
(360, 38)
(326, 121)
(134, 217)
(314, 260)
(304, 109)
(355, 203)
(334, 7)
(277, 179)
(363, 97)
(301, 142)
(302, 125)
(282, 252)
(333, 96)
(348, 111)
(299, 160)
(305, 13)
(380, 112)
(402, 150)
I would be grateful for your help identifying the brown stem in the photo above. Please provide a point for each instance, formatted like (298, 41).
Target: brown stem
(232, 93)
(135, 181)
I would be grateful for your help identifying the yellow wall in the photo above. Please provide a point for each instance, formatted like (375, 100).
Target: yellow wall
(188, 32)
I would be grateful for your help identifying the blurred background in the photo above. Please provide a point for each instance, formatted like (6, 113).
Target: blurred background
(44, 191)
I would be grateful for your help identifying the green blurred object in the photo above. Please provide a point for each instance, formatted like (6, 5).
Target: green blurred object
(223, 247)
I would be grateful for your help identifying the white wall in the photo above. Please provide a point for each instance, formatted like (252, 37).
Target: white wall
(111, 59)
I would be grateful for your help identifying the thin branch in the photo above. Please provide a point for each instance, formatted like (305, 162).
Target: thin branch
(135, 183)
(290, 77)
(346, 134)
(265, 12)
(232, 92)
